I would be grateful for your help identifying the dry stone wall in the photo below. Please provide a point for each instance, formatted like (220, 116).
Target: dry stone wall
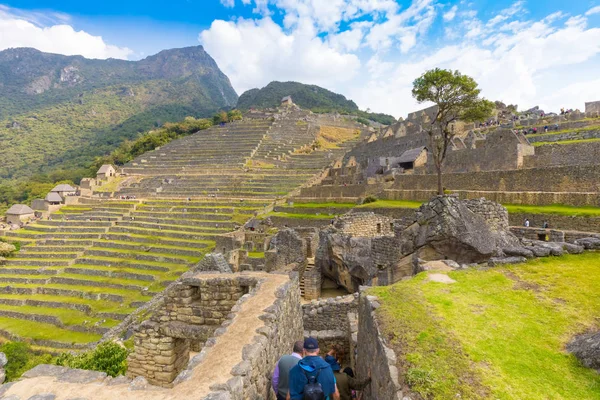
(190, 315)
(374, 353)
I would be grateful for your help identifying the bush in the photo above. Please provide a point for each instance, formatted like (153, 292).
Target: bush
(20, 359)
(107, 357)
(369, 199)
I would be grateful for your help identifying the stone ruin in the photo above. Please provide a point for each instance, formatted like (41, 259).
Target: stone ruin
(370, 249)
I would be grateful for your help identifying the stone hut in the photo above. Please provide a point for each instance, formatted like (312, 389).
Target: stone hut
(53, 198)
(413, 158)
(287, 101)
(64, 190)
(106, 172)
(19, 213)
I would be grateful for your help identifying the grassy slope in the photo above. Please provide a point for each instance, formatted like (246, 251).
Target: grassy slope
(563, 142)
(498, 333)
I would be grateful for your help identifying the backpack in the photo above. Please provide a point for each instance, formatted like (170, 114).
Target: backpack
(313, 389)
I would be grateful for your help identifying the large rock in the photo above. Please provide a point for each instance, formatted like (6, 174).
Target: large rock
(368, 249)
(587, 349)
(6, 249)
(469, 231)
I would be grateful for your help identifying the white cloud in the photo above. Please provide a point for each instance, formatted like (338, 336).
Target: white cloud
(372, 50)
(255, 52)
(19, 29)
(228, 3)
(593, 10)
(450, 14)
(539, 64)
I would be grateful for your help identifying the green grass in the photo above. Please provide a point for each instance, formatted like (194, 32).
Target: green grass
(496, 333)
(563, 142)
(43, 331)
(297, 216)
(323, 205)
(557, 209)
(392, 204)
(256, 254)
(582, 129)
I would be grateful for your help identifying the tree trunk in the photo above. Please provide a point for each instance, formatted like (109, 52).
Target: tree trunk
(439, 180)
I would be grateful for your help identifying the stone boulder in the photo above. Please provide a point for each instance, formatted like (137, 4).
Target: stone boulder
(470, 231)
(590, 243)
(587, 349)
(6, 249)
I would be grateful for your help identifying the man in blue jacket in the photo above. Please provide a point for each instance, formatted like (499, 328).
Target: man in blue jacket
(312, 365)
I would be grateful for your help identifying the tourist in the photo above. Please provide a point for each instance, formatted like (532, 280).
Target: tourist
(312, 369)
(526, 223)
(281, 374)
(546, 226)
(344, 382)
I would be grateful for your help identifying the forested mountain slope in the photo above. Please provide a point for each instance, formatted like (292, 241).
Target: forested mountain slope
(60, 112)
(309, 97)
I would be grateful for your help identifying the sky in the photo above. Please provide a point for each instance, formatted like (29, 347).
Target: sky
(536, 52)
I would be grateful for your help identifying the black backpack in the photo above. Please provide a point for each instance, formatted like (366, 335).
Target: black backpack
(313, 389)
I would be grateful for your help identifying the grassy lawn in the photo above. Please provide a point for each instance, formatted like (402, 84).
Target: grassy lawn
(297, 216)
(392, 204)
(499, 333)
(557, 209)
(42, 331)
(256, 254)
(324, 205)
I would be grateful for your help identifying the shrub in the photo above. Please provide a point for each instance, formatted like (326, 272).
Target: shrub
(20, 359)
(107, 357)
(369, 199)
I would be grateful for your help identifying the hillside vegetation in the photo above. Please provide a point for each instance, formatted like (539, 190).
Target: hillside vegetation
(310, 97)
(57, 113)
(498, 333)
(37, 186)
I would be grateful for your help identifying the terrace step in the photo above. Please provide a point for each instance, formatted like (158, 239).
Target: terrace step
(80, 270)
(135, 255)
(108, 262)
(149, 248)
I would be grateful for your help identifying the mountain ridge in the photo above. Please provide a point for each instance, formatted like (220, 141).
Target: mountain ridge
(52, 105)
(310, 97)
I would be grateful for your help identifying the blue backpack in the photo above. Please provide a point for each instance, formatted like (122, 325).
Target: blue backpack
(313, 389)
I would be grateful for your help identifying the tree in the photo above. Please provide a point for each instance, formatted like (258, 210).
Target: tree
(457, 98)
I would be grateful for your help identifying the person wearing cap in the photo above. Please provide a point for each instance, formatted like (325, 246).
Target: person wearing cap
(345, 383)
(312, 365)
(281, 374)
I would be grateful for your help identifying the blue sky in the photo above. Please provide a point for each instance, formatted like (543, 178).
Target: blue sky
(524, 52)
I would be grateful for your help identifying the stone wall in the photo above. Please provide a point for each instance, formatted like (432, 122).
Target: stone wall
(558, 137)
(189, 316)
(373, 353)
(329, 314)
(564, 154)
(563, 222)
(592, 107)
(332, 322)
(365, 224)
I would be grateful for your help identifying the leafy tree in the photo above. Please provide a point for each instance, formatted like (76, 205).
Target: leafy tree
(457, 98)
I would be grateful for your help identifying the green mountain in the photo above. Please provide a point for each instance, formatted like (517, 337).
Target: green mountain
(58, 113)
(309, 97)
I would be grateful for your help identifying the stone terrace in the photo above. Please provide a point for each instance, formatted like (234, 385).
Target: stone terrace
(235, 362)
(93, 264)
(96, 262)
